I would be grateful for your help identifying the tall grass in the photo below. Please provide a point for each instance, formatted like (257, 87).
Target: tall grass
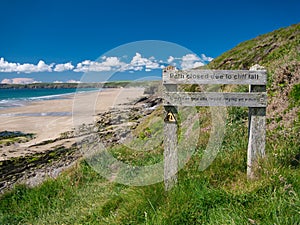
(219, 195)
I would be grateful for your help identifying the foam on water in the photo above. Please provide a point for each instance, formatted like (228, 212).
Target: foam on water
(17, 98)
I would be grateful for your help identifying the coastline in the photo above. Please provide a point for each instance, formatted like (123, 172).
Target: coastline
(11, 102)
(54, 147)
(48, 119)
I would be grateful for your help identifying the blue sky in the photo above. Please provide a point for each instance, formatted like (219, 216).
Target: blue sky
(63, 40)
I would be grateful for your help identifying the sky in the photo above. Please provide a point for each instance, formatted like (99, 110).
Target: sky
(68, 41)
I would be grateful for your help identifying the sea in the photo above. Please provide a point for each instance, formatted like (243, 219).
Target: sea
(21, 97)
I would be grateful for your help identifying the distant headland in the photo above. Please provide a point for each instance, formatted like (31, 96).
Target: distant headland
(110, 84)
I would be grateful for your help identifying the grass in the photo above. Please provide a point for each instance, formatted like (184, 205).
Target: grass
(295, 96)
(219, 195)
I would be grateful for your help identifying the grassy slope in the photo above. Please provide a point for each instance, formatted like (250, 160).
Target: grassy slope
(219, 195)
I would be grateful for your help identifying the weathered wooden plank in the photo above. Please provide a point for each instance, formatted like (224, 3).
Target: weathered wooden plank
(170, 144)
(215, 99)
(170, 155)
(214, 77)
(257, 134)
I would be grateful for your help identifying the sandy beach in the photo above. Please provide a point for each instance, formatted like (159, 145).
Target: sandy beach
(48, 153)
(49, 118)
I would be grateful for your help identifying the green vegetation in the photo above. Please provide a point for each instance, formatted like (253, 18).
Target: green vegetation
(43, 85)
(221, 194)
(295, 95)
(108, 84)
(268, 50)
(11, 137)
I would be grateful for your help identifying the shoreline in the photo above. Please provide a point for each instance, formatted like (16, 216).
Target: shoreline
(55, 148)
(48, 119)
(23, 101)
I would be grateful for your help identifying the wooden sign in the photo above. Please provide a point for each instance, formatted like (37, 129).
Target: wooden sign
(256, 100)
(215, 99)
(214, 77)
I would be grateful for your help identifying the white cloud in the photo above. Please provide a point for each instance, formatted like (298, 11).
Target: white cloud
(197, 64)
(170, 59)
(113, 62)
(73, 81)
(190, 57)
(138, 68)
(139, 62)
(23, 80)
(63, 67)
(9, 67)
(106, 64)
(109, 64)
(37, 82)
(206, 58)
(43, 67)
(190, 61)
(91, 66)
(6, 81)
(19, 80)
(152, 65)
(6, 66)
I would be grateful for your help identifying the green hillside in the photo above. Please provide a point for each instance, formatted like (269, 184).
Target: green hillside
(221, 194)
(270, 50)
(279, 53)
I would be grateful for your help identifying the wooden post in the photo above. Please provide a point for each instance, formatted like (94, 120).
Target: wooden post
(257, 133)
(170, 142)
(256, 77)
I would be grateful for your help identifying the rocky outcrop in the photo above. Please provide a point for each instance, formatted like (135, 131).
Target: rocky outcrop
(33, 169)
(114, 125)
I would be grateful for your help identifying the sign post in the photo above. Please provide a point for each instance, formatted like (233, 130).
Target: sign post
(256, 133)
(256, 100)
(170, 140)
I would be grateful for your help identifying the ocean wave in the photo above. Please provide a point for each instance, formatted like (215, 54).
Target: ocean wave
(21, 101)
(37, 114)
